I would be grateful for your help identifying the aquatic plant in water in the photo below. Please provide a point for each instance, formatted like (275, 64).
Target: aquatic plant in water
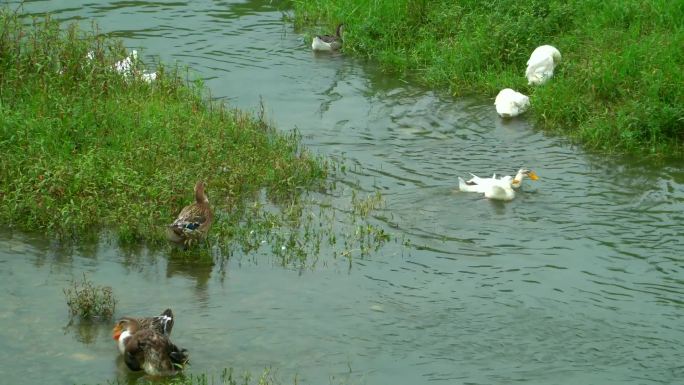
(89, 301)
(227, 377)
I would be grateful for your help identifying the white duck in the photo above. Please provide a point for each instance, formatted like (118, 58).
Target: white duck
(495, 188)
(541, 64)
(126, 67)
(510, 103)
(328, 42)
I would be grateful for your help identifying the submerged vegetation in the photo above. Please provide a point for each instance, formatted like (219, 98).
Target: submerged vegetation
(93, 151)
(618, 87)
(227, 377)
(89, 301)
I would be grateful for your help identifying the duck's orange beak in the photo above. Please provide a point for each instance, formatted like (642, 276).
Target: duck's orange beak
(532, 175)
(116, 332)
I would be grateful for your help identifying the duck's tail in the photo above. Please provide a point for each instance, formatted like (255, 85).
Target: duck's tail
(179, 357)
(462, 184)
(166, 319)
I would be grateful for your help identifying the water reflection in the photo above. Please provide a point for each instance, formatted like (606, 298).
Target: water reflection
(88, 332)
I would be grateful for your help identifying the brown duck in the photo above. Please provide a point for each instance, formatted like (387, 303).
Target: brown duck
(328, 42)
(127, 326)
(194, 221)
(145, 345)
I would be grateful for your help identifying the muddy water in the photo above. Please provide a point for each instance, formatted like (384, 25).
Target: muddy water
(579, 280)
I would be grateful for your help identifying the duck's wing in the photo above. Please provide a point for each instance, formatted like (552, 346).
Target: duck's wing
(499, 192)
(465, 186)
(154, 353)
(481, 185)
(540, 67)
(474, 179)
(328, 42)
(179, 357)
(191, 218)
(327, 38)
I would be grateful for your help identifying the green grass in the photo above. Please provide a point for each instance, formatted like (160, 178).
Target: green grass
(618, 88)
(88, 150)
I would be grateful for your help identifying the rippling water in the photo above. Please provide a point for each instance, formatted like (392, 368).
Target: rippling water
(579, 280)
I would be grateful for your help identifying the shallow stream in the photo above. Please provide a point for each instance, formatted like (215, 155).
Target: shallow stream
(579, 280)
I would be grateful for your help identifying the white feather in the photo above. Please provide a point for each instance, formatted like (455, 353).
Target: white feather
(510, 103)
(496, 188)
(121, 342)
(543, 61)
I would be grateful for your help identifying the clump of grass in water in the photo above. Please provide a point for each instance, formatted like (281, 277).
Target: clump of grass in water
(618, 87)
(303, 231)
(88, 301)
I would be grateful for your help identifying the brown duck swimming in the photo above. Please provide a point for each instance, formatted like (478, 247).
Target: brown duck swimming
(154, 353)
(328, 42)
(145, 345)
(194, 221)
(127, 326)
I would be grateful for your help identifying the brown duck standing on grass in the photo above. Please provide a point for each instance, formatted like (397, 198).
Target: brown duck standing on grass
(147, 349)
(194, 221)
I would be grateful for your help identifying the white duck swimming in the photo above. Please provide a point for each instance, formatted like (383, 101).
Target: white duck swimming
(541, 64)
(328, 42)
(495, 188)
(510, 103)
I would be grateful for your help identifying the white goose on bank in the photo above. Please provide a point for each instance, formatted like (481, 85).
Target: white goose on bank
(510, 103)
(328, 42)
(541, 64)
(127, 68)
(496, 188)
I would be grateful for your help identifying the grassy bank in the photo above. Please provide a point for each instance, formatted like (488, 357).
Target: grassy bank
(618, 88)
(88, 149)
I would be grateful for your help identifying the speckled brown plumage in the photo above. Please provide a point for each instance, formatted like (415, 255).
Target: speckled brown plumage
(194, 221)
(145, 345)
(154, 353)
(127, 326)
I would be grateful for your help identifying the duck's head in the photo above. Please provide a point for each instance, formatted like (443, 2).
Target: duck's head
(124, 325)
(200, 192)
(523, 172)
